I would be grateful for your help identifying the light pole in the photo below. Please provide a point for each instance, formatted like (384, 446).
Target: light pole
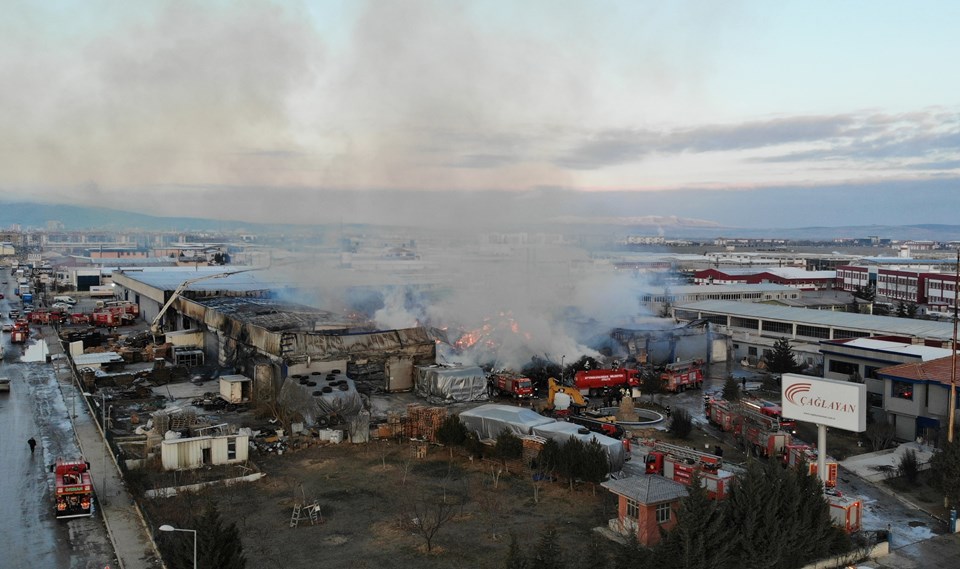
(561, 368)
(167, 527)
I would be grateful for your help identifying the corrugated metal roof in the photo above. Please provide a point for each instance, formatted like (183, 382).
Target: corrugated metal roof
(647, 489)
(782, 272)
(881, 325)
(173, 277)
(97, 358)
(275, 315)
(925, 353)
(733, 288)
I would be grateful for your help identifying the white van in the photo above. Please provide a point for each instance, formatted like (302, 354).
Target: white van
(66, 299)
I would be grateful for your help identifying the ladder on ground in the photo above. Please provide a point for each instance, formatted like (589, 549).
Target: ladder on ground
(312, 513)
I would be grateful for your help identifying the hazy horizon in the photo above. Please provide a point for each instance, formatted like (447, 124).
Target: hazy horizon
(744, 114)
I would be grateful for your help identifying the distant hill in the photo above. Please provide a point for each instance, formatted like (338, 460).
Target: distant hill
(76, 218)
(36, 216)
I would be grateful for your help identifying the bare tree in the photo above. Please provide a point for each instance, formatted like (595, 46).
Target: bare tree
(429, 516)
(881, 433)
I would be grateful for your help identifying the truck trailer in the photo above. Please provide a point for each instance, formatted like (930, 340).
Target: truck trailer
(595, 382)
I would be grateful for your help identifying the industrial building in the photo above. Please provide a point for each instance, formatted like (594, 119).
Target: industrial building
(787, 276)
(235, 318)
(755, 327)
(684, 294)
(864, 357)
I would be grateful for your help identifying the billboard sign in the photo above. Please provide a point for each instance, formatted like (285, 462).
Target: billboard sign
(839, 404)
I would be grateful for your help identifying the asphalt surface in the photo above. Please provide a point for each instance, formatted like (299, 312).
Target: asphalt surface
(32, 536)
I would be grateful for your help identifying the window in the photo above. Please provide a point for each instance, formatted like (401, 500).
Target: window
(874, 399)
(752, 351)
(663, 513)
(813, 331)
(232, 449)
(845, 368)
(633, 509)
(902, 390)
(777, 327)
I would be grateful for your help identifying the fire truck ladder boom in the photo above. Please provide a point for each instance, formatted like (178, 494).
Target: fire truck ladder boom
(688, 454)
(766, 421)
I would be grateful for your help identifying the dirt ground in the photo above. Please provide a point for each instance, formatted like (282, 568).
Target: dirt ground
(921, 493)
(369, 497)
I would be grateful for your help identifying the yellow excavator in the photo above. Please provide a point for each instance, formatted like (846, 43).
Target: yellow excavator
(569, 402)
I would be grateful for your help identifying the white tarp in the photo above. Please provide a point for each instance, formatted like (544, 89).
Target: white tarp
(562, 431)
(490, 420)
(451, 384)
(336, 396)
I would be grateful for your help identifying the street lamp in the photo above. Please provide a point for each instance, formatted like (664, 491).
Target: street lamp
(561, 368)
(167, 527)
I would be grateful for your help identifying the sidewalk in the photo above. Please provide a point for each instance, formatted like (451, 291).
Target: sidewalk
(878, 466)
(127, 529)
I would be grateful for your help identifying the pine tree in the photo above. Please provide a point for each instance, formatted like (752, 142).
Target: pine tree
(218, 544)
(702, 538)
(548, 554)
(945, 467)
(595, 557)
(452, 431)
(515, 558)
(754, 512)
(781, 359)
(731, 389)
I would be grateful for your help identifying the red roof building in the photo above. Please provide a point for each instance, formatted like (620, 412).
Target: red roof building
(916, 397)
(647, 506)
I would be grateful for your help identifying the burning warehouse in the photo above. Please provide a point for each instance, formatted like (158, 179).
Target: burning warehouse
(234, 320)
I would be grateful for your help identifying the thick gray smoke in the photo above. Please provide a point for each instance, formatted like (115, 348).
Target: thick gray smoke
(501, 300)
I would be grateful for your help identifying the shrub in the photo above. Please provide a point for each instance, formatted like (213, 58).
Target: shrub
(681, 424)
(452, 431)
(509, 446)
(909, 467)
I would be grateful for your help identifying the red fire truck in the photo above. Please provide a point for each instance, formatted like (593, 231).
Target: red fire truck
(680, 376)
(594, 382)
(74, 488)
(770, 409)
(758, 433)
(845, 511)
(507, 384)
(678, 463)
(798, 453)
(21, 331)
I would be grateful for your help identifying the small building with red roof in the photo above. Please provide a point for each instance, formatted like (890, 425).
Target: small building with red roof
(916, 396)
(647, 506)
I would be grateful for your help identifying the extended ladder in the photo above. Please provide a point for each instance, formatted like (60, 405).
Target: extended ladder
(689, 454)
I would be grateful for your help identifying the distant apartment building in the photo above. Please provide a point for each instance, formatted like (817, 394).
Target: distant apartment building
(117, 253)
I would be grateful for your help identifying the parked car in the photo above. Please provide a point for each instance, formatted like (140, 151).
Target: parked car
(4, 384)
(7, 327)
(61, 306)
(14, 314)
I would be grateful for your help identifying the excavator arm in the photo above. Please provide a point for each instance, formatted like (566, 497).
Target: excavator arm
(156, 327)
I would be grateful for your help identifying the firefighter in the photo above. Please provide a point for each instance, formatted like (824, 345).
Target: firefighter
(32, 443)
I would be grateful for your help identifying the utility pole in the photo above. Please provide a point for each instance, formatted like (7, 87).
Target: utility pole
(952, 406)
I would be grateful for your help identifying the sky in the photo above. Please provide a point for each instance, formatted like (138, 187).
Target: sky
(333, 110)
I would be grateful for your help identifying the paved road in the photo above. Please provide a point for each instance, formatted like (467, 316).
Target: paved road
(32, 537)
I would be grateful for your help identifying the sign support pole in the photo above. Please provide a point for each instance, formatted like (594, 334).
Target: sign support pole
(822, 453)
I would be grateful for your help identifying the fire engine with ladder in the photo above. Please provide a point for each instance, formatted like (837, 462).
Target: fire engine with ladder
(678, 463)
(73, 488)
(758, 433)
